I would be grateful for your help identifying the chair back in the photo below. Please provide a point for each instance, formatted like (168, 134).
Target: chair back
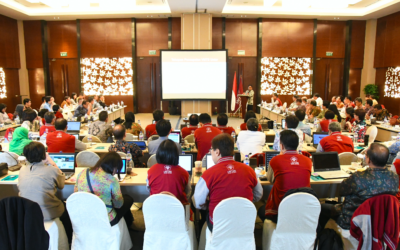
(122, 154)
(346, 158)
(94, 139)
(298, 216)
(92, 229)
(130, 137)
(10, 158)
(153, 137)
(189, 138)
(151, 161)
(372, 132)
(284, 105)
(165, 229)
(86, 159)
(233, 225)
(260, 158)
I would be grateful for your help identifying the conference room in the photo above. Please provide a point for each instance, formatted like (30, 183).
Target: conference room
(276, 121)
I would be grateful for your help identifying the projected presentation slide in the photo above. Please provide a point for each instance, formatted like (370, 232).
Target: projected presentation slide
(200, 75)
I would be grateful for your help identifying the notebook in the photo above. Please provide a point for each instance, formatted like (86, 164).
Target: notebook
(186, 162)
(327, 165)
(65, 162)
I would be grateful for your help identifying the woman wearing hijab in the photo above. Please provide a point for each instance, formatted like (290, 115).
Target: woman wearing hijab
(130, 125)
(19, 140)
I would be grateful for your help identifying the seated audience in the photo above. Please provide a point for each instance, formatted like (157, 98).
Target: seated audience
(336, 142)
(339, 102)
(380, 114)
(247, 116)
(360, 186)
(222, 121)
(91, 109)
(293, 105)
(325, 106)
(19, 140)
(291, 124)
(372, 98)
(348, 103)
(289, 170)
(275, 100)
(109, 133)
(48, 103)
(204, 135)
(177, 181)
(81, 97)
(98, 128)
(73, 98)
(304, 101)
(27, 103)
(193, 125)
(39, 181)
(57, 112)
(43, 102)
(303, 127)
(358, 103)
(50, 119)
(96, 104)
(250, 141)
(3, 114)
(82, 109)
(333, 101)
(226, 179)
(67, 103)
(102, 101)
(359, 126)
(314, 111)
(59, 141)
(335, 110)
(41, 114)
(300, 105)
(30, 121)
(369, 109)
(318, 99)
(349, 112)
(122, 146)
(19, 109)
(163, 128)
(151, 128)
(323, 125)
(130, 125)
(104, 185)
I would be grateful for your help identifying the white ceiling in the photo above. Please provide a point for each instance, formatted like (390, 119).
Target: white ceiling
(84, 9)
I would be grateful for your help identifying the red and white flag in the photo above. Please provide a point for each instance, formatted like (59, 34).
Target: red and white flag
(234, 94)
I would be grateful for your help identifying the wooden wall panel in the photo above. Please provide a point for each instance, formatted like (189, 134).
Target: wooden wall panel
(354, 83)
(329, 77)
(331, 38)
(217, 33)
(9, 49)
(176, 33)
(241, 34)
(62, 38)
(12, 85)
(357, 44)
(287, 38)
(36, 86)
(151, 34)
(33, 44)
(379, 60)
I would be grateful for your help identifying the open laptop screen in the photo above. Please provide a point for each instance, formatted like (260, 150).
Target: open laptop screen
(326, 161)
(317, 137)
(186, 162)
(64, 161)
(269, 156)
(210, 161)
(73, 126)
(123, 169)
(175, 136)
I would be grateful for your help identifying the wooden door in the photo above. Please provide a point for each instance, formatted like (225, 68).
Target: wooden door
(148, 83)
(328, 77)
(64, 78)
(72, 76)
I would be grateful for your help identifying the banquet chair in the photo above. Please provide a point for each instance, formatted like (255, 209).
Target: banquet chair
(94, 139)
(86, 159)
(151, 161)
(372, 132)
(346, 158)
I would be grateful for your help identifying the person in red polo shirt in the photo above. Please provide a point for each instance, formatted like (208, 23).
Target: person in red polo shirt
(226, 179)
(193, 125)
(59, 141)
(204, 135)
(324, 124)
(289, 170)
(276, 100)
(167, 175)
(222, 121)
(151, 128)
(249, 114)
(50, 119)
(336, 142)
(57, 112)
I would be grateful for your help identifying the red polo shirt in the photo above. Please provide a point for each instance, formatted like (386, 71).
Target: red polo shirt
(150, 130)
(58, 115)
(291, 171)
(50, 128)
(227, 179)
(173, 179)
(188, 131)
(203, 137)
(280, 102)
(325, 124)
(243, 126)
(336, 142)
(59, 141)
(226, 129)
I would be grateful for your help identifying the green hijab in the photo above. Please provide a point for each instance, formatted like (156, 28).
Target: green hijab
(19, 140)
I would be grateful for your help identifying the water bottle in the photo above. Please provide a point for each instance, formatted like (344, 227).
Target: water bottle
(385, 122)
(89, 139)
(129, 159)
(398, 137)
(10, 137)
(355, 138)
(275, 125)
(17, 120)
(141, 136)
(233, 136)
(89, 123)
(43, 138)
(315, 123)
(139, 123)
(119, 105)
(246, 160)
(122, 103)
(112, 124)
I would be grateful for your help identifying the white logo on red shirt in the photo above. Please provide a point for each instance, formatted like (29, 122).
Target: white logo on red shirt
(294, 161)
(339, 138)
(231, 169)
(167, 170)
(208, 130)
(59, 135)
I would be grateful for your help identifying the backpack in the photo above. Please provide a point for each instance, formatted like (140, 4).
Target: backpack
(328, 240)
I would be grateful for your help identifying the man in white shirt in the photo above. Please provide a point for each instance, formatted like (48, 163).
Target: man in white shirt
(318, 100)
(293, 105)
(250, 140)
(250, 93)
(291, 123)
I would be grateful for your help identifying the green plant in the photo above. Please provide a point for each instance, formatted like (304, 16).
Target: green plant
(372, 89)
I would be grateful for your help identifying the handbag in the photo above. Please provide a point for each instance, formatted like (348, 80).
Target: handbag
(3, 169)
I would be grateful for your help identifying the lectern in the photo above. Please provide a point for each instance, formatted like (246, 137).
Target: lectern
(243, 98)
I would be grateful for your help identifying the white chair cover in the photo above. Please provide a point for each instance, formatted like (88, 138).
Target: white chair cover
(349, 242)
(87, 159)
(58, 237)
(298, 216)
(372, 132)
(154, 137)
(92, 229)
(234, 220)
(130, 137)
(166, 227)
(189, 138)
(151, 161)
(347, 158)
(10, 158)
(94, 139)
(122, 154)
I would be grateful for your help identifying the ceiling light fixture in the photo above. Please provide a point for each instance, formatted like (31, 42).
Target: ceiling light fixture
(269, 3)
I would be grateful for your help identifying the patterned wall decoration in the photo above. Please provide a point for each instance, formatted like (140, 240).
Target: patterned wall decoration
(107, 76)
(392, 83)
(285, 76)
(3, 91)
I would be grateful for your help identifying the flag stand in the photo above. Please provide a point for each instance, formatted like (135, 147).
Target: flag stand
(238, 112)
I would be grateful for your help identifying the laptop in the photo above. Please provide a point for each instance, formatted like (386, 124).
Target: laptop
(327, 165)
(73, 127)
(317, 137)
(175, 136)
(186, 162)
(268, 156)
(141, 144)
(65, 162)
(209, 161)
(122, 173)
